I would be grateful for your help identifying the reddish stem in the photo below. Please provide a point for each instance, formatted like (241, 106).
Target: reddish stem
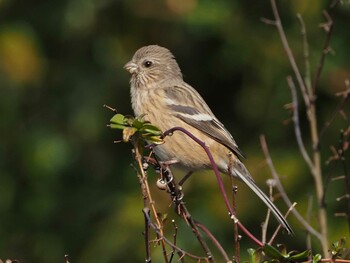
(219, 179)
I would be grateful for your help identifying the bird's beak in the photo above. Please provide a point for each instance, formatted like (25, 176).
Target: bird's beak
(131, 67)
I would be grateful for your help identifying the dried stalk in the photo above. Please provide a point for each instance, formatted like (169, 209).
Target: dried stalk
(309, 100)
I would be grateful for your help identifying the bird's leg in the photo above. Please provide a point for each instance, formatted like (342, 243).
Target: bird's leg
(164, 166)
(184, 179)
(169, 162)
(168, 179)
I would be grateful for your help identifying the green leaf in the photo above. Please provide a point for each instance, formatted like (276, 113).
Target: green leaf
(138, 124)
(151, 132)
(300, 256)
(254, 255)
(317, 258)
(118, 119)
(131, 125)
(338, 248)
(117, 126)
(273, 252)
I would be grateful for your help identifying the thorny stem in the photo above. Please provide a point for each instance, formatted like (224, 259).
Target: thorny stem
(177, 197)
(219, 179)
(236, 236)
(158, 231)
(181, 209)
(145, 187)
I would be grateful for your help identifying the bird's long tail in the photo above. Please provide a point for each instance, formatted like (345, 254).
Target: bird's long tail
(242, 173)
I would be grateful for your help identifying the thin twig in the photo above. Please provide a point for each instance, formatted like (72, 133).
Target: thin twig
(291, 208)
(215, 241)
(289, 52)
(159, 233)
(297, 130)
(345, 96)
(328, 26)
(146, 234)
(342, 149)
(219, 179)
(177, 197)
(110, 108)
(307, 77)
(236, 236)
(175, 240)
(283, 193)
(308, 218)
(266, 221)
(145, 187)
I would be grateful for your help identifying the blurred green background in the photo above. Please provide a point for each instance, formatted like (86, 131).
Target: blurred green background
(65, 188)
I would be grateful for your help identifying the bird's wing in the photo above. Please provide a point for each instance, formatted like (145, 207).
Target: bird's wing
(189, 106)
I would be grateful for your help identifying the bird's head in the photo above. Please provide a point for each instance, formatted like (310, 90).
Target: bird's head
(151, 65)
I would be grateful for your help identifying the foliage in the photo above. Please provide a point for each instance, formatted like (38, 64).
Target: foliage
(136, 125)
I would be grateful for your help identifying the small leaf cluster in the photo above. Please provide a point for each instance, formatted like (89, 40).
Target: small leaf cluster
(272, 254)
(269, 253)
(339, 250)
(131, 126)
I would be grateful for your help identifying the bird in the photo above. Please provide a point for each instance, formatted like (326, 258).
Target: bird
(159, 92)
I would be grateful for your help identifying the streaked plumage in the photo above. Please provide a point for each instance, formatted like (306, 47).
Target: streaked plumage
(158, 90)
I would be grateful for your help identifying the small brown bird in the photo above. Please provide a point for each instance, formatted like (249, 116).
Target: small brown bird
(159, 91)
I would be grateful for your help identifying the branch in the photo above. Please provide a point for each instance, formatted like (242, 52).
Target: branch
(306, 56)
(297, 124)
(289, 52)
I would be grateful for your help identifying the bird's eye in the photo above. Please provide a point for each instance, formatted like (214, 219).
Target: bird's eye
(147, 63)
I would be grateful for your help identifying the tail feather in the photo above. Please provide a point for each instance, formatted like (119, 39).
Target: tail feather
(244, 175)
